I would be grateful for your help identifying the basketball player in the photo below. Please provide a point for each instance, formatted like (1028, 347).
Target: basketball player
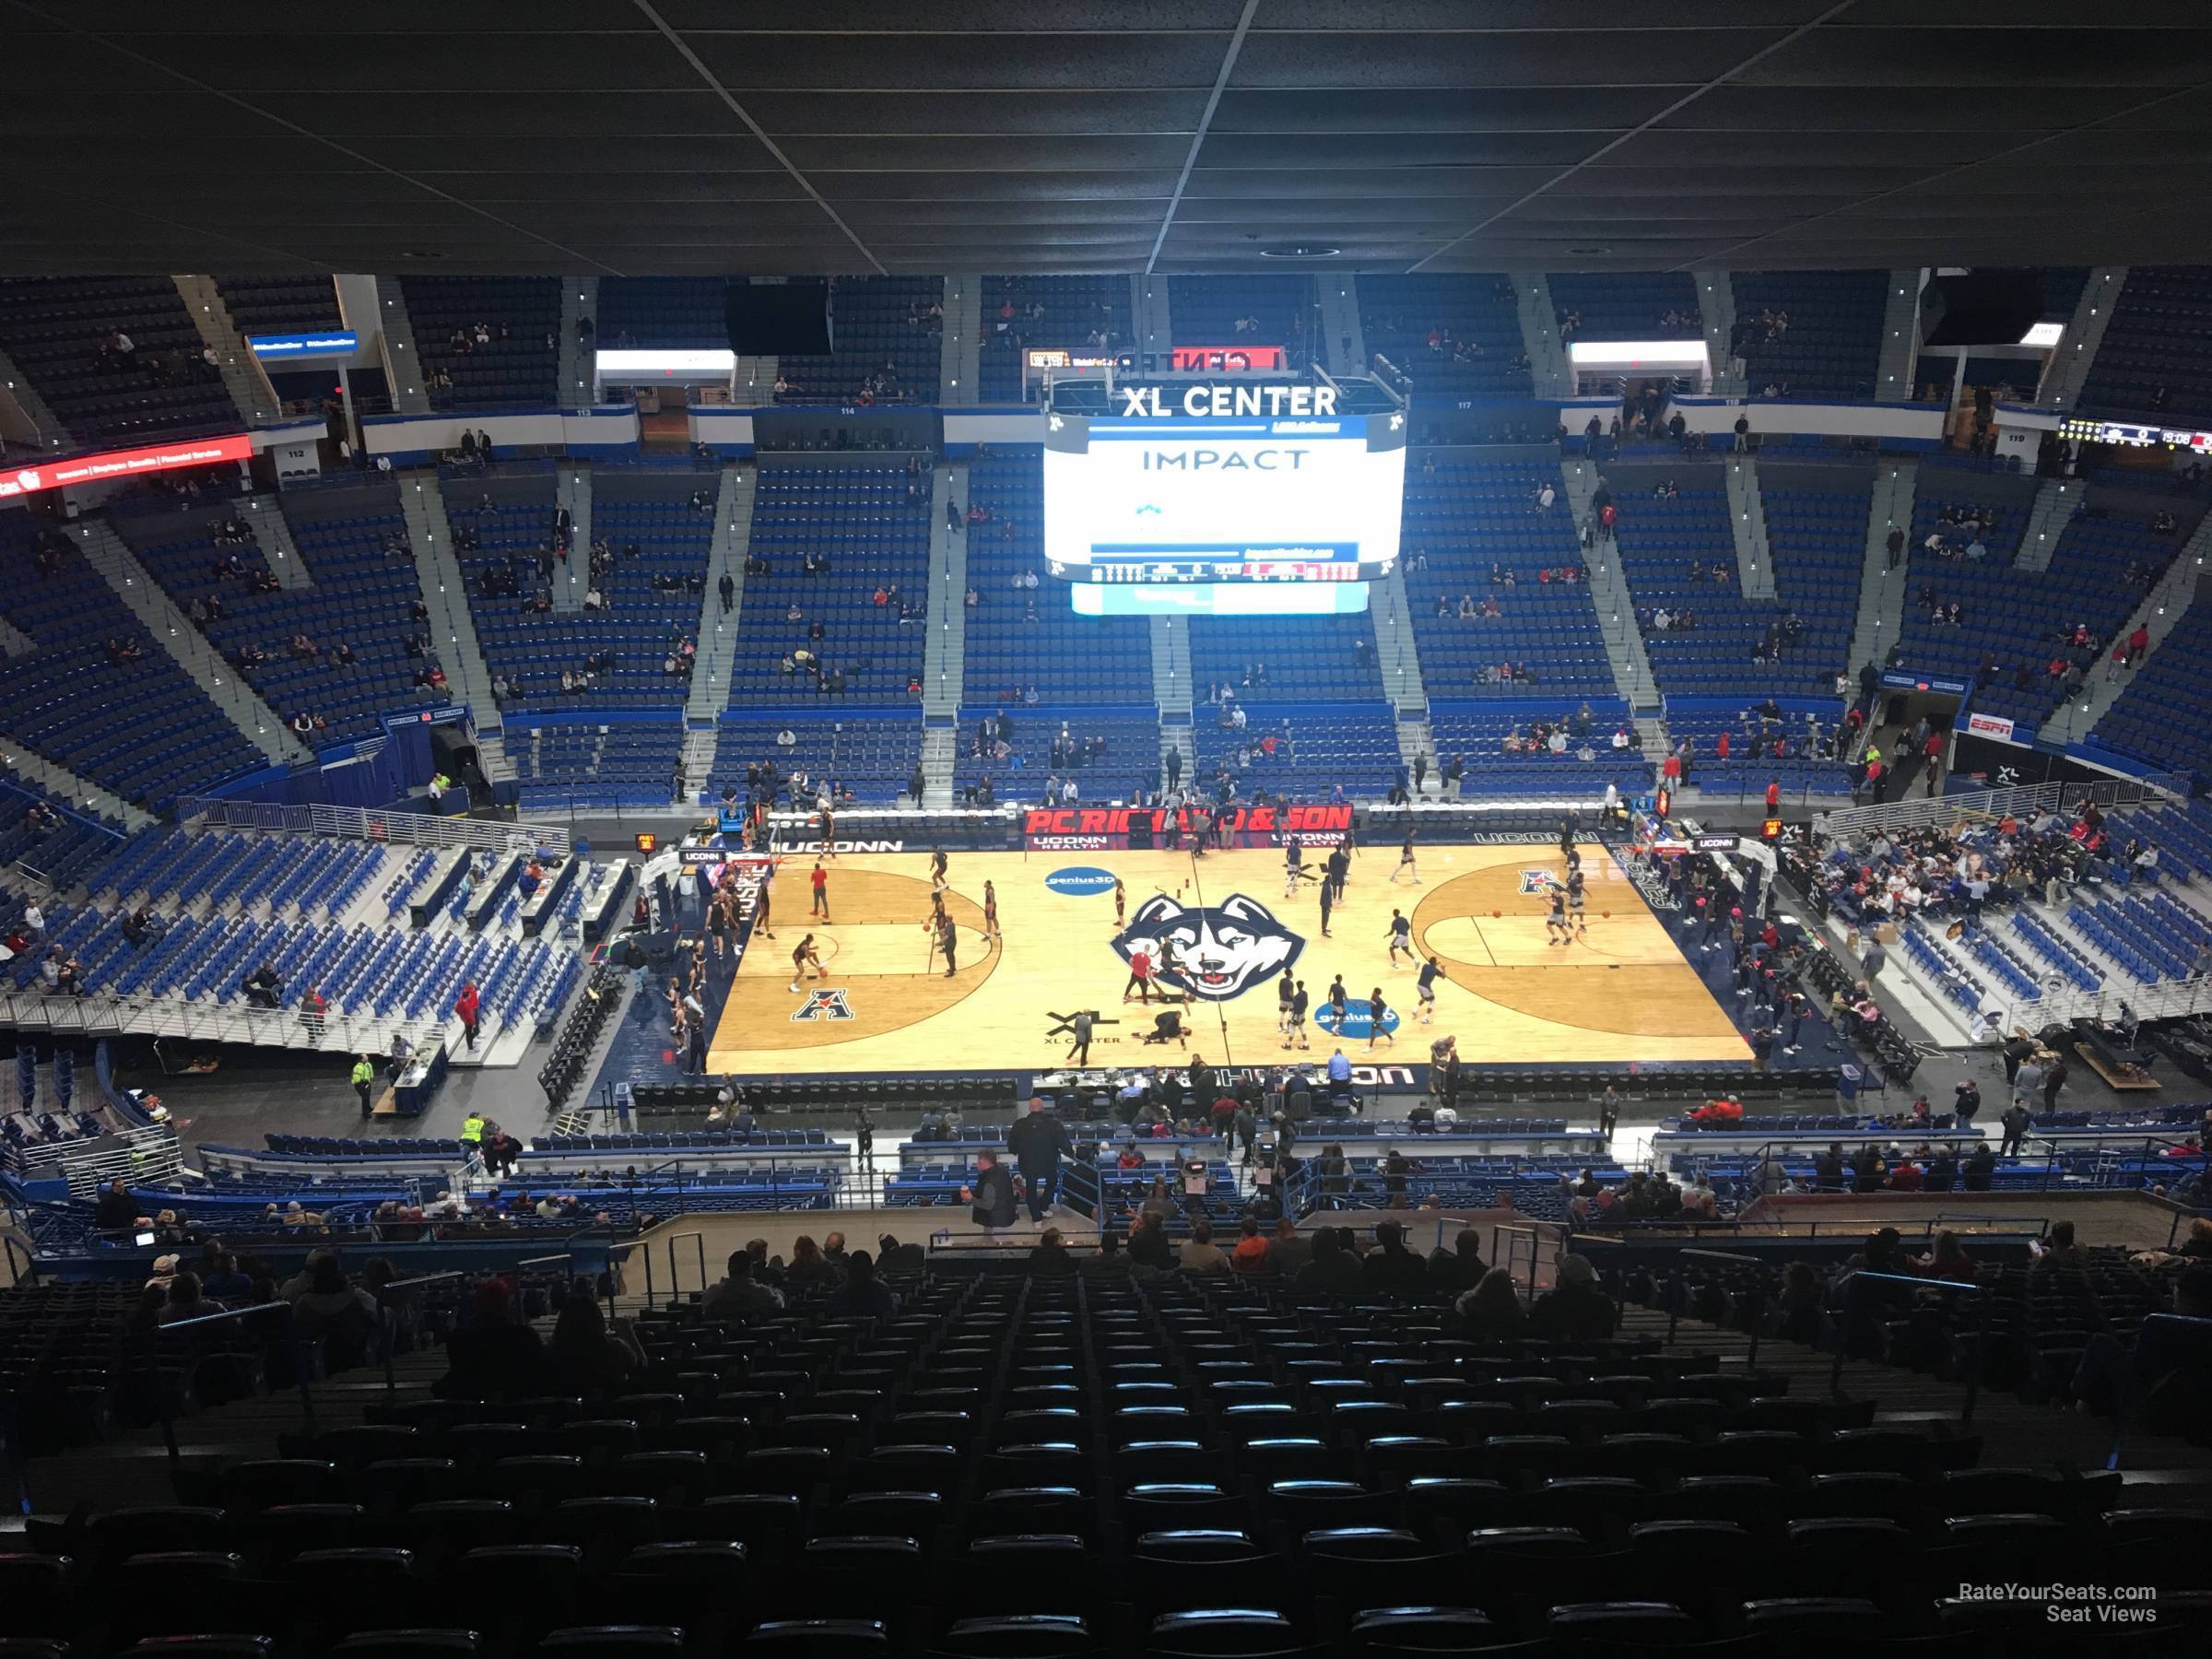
(1377, 1011)
(1428, 990)
(989, 912)
(804, 956)
(1338, 1002)
(948, 940)
(1140, 976)
(937, 880)
(1285, 989)
(1121, 904)
(1575, 901)
(1327, 900)
(760, 904)
(1555, 929)
(1297, 1017)
(1401, 937)
(828, 830)
(1294, 866)
(1167, 968)
(821, 891)
(1406, 864)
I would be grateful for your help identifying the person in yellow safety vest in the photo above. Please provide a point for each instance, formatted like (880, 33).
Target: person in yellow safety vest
(472, 1134)
(364, 1079)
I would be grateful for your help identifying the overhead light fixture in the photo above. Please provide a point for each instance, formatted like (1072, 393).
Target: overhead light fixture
(1300, 251)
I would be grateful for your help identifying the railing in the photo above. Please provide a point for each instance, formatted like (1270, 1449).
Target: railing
(358, 823)
(699, 1241)
(165, 1408)
(201, 1021)
(387, 1319)
(2023, 802)
(1854, 1293)
(1514, 1234)
(1758, 1297)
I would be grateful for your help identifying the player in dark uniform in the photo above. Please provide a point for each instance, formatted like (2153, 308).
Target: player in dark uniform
(802, 955)
(1575, 899)
(1338, 1003)
(1401, 937)
(990, 911)
(1297, 1017)
(1120, 902)
(949, 940)
(1294, 866)
(1555, 929)
(1426, 985)
(1377, 1012)
(1286, 990)
(938, 881)
(1406, 864)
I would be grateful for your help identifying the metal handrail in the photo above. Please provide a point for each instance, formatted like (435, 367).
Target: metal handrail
(387, 1325)
(228, 1316)
(1982, 1298)
(1758, 1296)
(699, 1238)
(1512, 1233)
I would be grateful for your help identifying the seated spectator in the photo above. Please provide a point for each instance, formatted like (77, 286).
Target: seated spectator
(1199, 1254)
(740, 1295)
(584, 1356)
(1491, 1310)
(1048, 1258)
(862, 1295)
(1575, 1309)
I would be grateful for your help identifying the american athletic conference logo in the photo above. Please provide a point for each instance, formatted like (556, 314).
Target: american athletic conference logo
(1539, 882)
(823, 1005)
(1221, 951)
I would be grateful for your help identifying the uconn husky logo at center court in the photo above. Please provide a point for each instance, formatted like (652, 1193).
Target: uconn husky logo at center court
(1221, 951)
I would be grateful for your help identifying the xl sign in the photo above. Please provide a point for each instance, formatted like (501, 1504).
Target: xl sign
(1199, 401)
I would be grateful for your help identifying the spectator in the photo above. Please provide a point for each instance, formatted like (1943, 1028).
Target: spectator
(586, 1358)
(1390, 1269)
(809, 1266)
(1199, 1256)
(116, 1210)
(1492, 1312)
(1332, 1272)
(990, 1194)
(1290, 1251)
(1460, 1268)
(862, 1295)
(1250, 1251)
(1049, 1257)
(739, 1295)
(491, 1357)
(1574, 1309)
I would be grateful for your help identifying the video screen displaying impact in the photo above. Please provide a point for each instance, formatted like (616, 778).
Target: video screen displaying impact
(1162, 509)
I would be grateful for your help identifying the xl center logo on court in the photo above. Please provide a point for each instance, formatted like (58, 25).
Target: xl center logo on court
(1221, 951)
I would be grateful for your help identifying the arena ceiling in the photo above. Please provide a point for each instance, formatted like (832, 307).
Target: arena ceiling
(735, 135)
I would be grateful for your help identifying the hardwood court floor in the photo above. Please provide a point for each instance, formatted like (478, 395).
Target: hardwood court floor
(884, 1005)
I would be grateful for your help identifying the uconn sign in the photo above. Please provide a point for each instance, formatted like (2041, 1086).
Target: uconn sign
(1200, 401)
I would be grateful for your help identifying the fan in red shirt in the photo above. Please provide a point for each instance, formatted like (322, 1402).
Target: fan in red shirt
(468, 1006)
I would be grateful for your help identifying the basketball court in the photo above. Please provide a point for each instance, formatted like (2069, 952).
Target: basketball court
(884, 1004)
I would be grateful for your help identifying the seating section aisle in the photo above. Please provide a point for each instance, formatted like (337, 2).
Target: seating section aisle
(496, 339)
(1024, 636)
(1810, 334)
(1469, 528)
(1478, 736)
(649, 561)
(66, 334)
(64, 842)
(1294, 659)
(1230, 312)
(1021, 312)
(338, 649)
(2156, 356)
(872, 756)
(101, 696)
(662, 314)
(2165, 715)
(1317, 748)
(2012, 623)
(502, 522)
(268, 305)
(865, 529)
(886, 344)
(1817, 533)
(1457, 336)
(1655, 305)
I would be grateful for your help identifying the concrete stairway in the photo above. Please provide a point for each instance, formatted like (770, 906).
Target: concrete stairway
(959, 367)
(2084, 332)
(13, 641)
(572, 575)
(1415, 742)
(1179, 737)
(1395, 653)
(1747, 521)
(940, 745)
(266, 520)
(1881, 612)
(2161, 610)
(753, 383)
(1548, 366)
(717, 631)
(52, 434)
(945, 651)
(261, 725)
(243, 377)
(2056, 501)
(1172, 687)
(1609, 596)
(1716, 309)
(403, 363)
(1155, 325)
(452, 631)
(34, 767)
(1343, 344)
(579, 300)
(1901, 338)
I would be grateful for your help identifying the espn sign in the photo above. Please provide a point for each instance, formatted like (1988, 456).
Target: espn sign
(124, 464)
(1990, 726)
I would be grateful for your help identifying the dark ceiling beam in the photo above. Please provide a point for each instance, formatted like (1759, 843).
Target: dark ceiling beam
(1206, 120)
(69, 26)
(713, 82)
(1791, 38)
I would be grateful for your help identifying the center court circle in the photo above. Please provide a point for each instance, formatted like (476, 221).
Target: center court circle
(1080, 880)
